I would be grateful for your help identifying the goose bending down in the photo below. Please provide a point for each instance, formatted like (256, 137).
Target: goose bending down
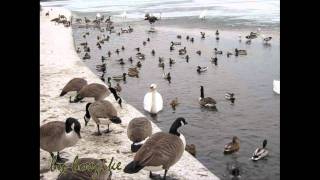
(120, 77)
(160, 152)
(276, 86)
(76, 174)
(174, 103)
(93, 90)
(102, 112)
(207, 102)
(152, 101)
(232, 146)
(74, 84)
(57, 135)
(260, 153)
(139, 129)
(230, 96)
(201, 69)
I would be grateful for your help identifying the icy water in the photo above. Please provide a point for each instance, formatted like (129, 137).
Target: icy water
(254, 116)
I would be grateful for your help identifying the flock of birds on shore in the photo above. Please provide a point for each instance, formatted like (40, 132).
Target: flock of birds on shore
(154, 152)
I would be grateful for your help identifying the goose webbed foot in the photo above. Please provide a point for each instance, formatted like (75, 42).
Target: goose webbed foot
(97, 133)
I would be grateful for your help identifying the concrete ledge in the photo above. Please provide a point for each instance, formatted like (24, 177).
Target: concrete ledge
(58, 64)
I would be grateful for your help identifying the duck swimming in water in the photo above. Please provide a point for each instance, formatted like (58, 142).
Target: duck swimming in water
(201, 69)
(260, 153)
(153, 102)
(206, 102)
(230, 97)
(232, 146)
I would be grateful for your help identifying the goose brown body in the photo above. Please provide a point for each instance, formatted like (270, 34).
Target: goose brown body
(75, 84)
(102, 109)
(95, 90)
(139, 129)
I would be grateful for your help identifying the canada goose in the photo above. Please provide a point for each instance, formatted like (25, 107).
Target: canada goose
(102, 112)
(202, 35)
(122, 48)
(217, 33)
(139, 64)
(179, 36)
(199, 52)
(144, 43)
(139, 129)
(160, 152)
(152, 101)
(230, 96)
(232, 146)
(148, 39)
(260, 153)
(93, 90)
(117, 51)
(174, 103)
(171, 61)
(216, 51)
(101, 173)
(120, 77)
(276, 86)
(229, 54)
(153, 52)
(240, 52)
(115, 95)
(201, 69)
(130, 59)
(167, 76)
(57, 135)
(109, 53)
(74, 84)
(175, 43)
(182, 51)
(192, 40)
(207, 102)
(86, 56)
(187, 38)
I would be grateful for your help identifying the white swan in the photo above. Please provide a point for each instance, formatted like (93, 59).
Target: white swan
(276, 86)
(153, 102)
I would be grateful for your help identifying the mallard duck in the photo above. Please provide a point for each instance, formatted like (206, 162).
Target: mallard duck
(230, 96)
(216, 51)
(174, 103)
(232, 146)
(199, 52)
(201, 69)
(267, 39)
(203, 35)
(120, 77)
(183, 51)
(133, 72)
(260, 153)
(240, 52)
(207, 102)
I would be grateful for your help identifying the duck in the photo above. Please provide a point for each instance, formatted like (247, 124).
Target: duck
(161, 64)
(152, 101)
(183, 51)
(187, 38)
(276, 86)
(121, 61)
(148, 39)
(133, 72)
(187, 58)
(161, 151)
(109, 53)
(118, 88)
(144, 43)
(230, 97)
(175, 43)
(232, 146)
(130, 59)
(207, 102)
(179, 36)
(101, 67)
(139, 64)
(93, 90)
(214, 59)
(174, 103)
(103, 58)
(137, 49)
(86, 56)
(140, 56)
(78, 50)
(192, 40)
(75, 84)
(201, 69)
(217, 38)
(267, 39)
(120, 77)
(122, 48)
(138, 131)
(199, 52)
(260, 153)
(216, 51)
(117, 51)
(217, 32)
(70, 173)
(84, 44)
(202, 35)
(57, 135)
(171, 48)
(240, 52)
(153, 52)
(86, 49)
(171, 61)
(102, 112)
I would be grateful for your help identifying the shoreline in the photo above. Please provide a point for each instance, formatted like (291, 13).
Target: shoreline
(58, 64)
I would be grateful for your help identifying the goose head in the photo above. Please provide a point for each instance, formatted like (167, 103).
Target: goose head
(73, 124)
(179, 122)
(115, 120)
